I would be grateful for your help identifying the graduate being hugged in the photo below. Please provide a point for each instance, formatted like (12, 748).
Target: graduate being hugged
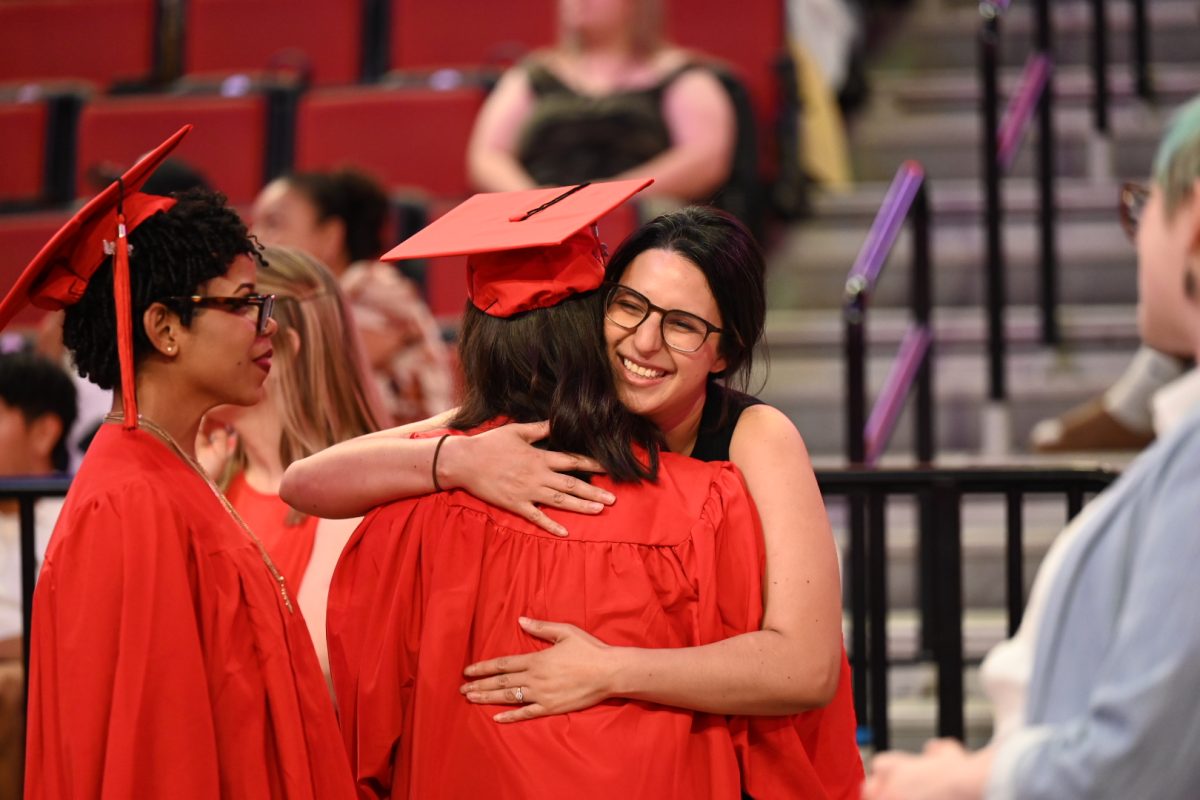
(168, 657)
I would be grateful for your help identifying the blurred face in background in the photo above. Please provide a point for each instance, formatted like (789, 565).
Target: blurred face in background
(596, 17)
(283, 215)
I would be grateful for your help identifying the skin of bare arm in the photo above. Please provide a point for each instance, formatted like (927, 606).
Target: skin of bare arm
(790, 665)
(499, 466)
(699, 117)
(703, 128)
(491, 154)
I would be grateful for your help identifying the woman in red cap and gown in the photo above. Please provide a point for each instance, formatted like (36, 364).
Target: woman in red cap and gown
(429, 585)
(680, 272)
(168, 658)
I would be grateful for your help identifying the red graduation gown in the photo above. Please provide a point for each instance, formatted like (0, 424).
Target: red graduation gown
(163, 661)
(290, 546)
(430, 585)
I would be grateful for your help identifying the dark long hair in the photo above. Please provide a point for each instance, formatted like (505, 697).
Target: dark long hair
(551, 363)
(726, 252)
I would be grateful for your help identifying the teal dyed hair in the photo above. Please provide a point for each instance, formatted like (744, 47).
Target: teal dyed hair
(1177, 164)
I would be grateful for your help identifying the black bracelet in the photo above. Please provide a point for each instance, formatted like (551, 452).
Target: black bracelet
(437, 487)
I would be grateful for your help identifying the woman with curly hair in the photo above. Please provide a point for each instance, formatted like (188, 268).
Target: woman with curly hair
(168, 656)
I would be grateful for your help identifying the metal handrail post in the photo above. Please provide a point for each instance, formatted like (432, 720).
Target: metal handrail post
(1100, 119)
(878, 592)
(922, 307)
(1047, 206)
(1141, 51)
(856, 415)
(989, 45)
(924, 439)
(949, 635)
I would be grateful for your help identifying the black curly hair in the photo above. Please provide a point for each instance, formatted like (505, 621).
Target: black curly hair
(171, 254)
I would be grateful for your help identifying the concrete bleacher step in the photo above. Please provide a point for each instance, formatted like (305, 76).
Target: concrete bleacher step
(962, 201)
(1042, 383)
(948, 144)
(1174, 26)
(1074, 87)
(820, 332)
(1097, 264)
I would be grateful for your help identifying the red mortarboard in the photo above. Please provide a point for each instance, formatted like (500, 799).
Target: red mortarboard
(528, 249)
(59, 273)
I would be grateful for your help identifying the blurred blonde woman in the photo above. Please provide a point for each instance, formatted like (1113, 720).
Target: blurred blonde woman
(611, 99)
(317, 394)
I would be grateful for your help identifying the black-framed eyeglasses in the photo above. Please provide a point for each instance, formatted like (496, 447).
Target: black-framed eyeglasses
(681, 330)
(260, 305)
(1133, 202)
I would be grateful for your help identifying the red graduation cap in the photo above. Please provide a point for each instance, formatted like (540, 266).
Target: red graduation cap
(59, 273)
(528, 249)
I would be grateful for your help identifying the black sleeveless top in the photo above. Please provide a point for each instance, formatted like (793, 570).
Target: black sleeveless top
(722, 409)
(573, 138)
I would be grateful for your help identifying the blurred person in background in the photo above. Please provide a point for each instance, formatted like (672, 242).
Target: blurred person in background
(339, 217)
(318, 393)
(1095, 694)
(37, 409)
(611, 99)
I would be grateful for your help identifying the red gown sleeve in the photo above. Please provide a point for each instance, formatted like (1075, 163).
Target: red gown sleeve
(118, 695)
(813, 754)
(371, 650)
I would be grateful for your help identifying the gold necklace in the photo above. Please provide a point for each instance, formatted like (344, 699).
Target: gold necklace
(166, 438)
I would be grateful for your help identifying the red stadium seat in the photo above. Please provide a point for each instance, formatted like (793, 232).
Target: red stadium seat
(404, 137)
(468, 32)
(97, 40)
(21, 236)
(228, 145)
(252, 35)
(751, 45)
(23, 141)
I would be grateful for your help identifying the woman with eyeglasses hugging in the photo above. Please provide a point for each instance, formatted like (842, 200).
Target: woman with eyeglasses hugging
(1095, 694)
(168, 656)
(684, 310)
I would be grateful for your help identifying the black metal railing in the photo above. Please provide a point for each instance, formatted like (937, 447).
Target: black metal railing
(939, 491)
(1001, 141)
(942, 492)
(1000, 144)
(27, 491)
(866, 438)
(907, 199)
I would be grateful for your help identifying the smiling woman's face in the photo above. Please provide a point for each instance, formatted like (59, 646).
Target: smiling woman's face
(664, 385)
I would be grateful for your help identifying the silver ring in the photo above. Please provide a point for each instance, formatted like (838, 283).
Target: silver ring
(519, 694)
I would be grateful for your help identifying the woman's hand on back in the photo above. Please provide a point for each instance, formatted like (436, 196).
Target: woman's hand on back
(575, 673)
(503, 468)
